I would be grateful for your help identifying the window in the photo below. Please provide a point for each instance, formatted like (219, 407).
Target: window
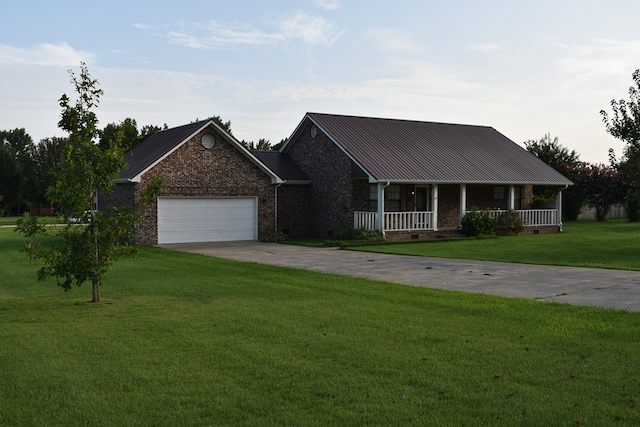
(392, 198)
(501, 197)
(373, 198)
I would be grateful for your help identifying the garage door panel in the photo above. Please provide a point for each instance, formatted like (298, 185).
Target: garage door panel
(183, 220)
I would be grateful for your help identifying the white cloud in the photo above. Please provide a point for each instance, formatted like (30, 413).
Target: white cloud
(302, 26)
(44, 54)
(328, 4)
(308, 27)
(141, 26)
(488, 47)
(392, 40)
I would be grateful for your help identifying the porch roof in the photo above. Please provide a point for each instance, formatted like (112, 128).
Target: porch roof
(414, 151)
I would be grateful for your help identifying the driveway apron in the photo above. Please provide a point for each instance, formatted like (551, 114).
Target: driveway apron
(580, 286)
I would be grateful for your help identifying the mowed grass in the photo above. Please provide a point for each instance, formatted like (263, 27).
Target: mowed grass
(611, 244)
(183, 339)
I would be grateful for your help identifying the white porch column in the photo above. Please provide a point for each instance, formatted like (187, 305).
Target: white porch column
(434, 203)
(463, 200)
(559, 208)
(512, 197)
(380, 216)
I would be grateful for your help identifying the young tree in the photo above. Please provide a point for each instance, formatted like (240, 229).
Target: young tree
(625, 126)
(89, 240)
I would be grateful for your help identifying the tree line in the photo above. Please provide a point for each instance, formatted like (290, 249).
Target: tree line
(27, 169)
(598, 185)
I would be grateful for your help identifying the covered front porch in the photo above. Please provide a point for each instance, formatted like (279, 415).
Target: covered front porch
(432, 207)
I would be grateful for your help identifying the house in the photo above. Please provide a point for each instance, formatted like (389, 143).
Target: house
(409, 179)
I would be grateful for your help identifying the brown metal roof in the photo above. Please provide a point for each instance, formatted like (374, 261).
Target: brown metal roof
(156, 147)
(162, 143)
(415, 151)
(283, 166)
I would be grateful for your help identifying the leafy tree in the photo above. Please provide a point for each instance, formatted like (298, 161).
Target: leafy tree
(17, 177)
(87, 243)
(126, 132)
(47, 159)
(568, 164)
(263, 144)
(278, 146)
(148, 130)
(624, 125)
(226, 126)
(604, 187)
(10, 179)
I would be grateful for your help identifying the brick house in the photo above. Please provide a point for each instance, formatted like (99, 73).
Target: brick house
(409, 179)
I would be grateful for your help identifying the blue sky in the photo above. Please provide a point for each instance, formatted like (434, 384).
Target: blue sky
(525, 68)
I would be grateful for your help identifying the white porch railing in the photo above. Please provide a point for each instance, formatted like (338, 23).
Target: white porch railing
(533, 217)
(409, 221)
(395, 221)
(366, 220)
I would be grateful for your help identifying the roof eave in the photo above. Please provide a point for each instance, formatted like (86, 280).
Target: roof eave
(373, 180)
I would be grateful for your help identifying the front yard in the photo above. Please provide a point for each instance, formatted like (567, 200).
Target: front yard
(184, 339)
(611, 244)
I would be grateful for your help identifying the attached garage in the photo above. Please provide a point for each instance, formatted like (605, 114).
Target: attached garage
(196, 219)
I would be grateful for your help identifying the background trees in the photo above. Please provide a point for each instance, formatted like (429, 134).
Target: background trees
(126, 134)
(15, 168)
(624, 124)
(568, 164)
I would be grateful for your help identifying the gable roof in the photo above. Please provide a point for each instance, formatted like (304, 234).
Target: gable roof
(392, 150)
(161, 144)
(283, 166)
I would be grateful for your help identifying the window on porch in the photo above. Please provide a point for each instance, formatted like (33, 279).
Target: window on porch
(373, 198)
(391, 197)
(501, 197)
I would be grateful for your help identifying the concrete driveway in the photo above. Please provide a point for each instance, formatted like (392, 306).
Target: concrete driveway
(581, 286)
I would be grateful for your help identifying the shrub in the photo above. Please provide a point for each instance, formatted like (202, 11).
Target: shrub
(511, 221)
(361, 235)
(274, 236)
(478, 223)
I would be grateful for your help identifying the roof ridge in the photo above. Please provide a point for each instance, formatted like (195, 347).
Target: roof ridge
(397, 120)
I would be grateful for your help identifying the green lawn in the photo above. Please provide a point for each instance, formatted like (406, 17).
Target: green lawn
(182, 339)
(12, 220)
(611, 244)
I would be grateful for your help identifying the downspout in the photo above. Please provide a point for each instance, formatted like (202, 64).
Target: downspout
(276, 206)
(380, 218)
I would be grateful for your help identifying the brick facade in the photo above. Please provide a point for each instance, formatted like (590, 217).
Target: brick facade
(192, 170)
(294, 210)
(331, 191)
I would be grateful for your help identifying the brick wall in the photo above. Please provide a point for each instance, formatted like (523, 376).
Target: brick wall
(331, 190)
(448, 205)
(222, 171)
(121, 195)
(293, 210)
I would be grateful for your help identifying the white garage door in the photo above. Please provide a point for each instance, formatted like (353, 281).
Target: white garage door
(191, 219)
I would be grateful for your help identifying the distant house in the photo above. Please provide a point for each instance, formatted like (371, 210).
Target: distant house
(408, 179)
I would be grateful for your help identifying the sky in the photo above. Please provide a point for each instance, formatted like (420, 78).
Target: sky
(525, 68)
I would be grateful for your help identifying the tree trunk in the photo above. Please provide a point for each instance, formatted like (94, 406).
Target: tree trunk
(95, 282)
